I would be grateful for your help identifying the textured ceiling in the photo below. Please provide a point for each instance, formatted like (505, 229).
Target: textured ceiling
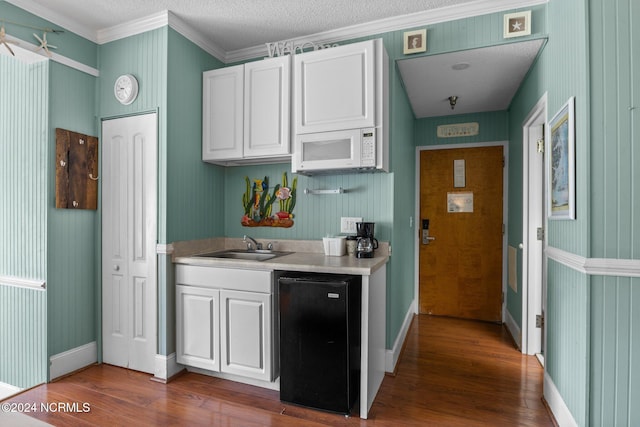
(237, 24)
(234, 26)
(484, 79)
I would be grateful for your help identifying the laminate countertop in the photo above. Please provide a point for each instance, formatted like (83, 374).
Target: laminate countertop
(296, 261)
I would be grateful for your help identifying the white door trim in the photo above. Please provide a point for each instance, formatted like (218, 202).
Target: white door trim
(505, 219)
(532, 217)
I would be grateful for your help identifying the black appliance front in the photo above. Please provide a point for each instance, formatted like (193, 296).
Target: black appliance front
(320, 340)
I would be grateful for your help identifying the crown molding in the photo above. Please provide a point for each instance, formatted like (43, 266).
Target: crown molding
(429, 17)
(196, 38)
(132, 28)
(158, 20)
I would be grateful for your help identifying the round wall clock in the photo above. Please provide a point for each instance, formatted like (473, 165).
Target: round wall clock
(126, 89)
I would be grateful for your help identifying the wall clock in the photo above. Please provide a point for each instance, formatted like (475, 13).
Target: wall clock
(126, 89)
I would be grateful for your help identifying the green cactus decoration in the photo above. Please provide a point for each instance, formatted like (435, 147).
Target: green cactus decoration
(257, 203)
(247, 199)
(291, 201)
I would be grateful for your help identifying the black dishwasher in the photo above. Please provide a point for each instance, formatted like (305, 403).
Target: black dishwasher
(320, 340)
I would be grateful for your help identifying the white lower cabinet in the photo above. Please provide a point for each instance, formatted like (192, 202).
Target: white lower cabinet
(246, 326)
(198, 327)
(225, 321)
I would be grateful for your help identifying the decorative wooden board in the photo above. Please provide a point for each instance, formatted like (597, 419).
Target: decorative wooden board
(76, 170)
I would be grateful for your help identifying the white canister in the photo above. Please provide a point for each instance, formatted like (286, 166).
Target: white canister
(334, 246)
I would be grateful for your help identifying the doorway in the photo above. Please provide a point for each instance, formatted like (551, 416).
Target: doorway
(533, 232)
(129, 229)
(461, 223)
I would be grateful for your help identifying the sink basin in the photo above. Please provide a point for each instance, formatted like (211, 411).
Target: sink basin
(244, 255)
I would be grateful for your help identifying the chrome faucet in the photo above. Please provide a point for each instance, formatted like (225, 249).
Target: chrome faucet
(249, 245)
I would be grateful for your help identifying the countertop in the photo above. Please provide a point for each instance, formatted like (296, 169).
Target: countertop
(315, 262)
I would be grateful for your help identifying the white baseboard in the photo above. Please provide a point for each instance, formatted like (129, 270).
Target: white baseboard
(7, 390)
(514, 330)
(72, 360)
(166, 366)
(559, 409)
(394, 354)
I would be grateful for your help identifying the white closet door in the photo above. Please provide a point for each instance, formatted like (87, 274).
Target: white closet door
(129, 229)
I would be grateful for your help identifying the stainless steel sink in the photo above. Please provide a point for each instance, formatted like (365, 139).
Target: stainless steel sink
(244, 255)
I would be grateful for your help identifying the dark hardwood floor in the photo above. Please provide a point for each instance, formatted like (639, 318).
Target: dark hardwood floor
(451, 373)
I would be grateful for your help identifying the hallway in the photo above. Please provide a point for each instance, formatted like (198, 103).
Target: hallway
(451, 373)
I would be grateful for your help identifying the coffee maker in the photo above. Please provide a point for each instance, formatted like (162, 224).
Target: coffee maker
(366, 243)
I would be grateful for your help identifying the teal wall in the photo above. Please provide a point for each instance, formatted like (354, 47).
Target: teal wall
(614, 351)
(531, 90)
(316, 216)
(188, 189)
(24, 168)
(614, 209)
(193, 187)
(567, 345)
(614, 203)
(400, 271)
(568, 295)
(493, 127)
(593, 343)
(68, 44)
(72, 250)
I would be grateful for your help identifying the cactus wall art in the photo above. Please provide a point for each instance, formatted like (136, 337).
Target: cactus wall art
(259, 199)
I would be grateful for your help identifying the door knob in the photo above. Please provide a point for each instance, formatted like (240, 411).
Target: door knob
(116, 268)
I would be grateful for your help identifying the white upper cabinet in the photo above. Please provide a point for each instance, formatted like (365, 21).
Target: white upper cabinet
(246, 112)
(222, 113)
(267, 103)
(335, 88)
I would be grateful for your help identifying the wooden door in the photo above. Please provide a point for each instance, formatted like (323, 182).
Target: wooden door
(129, 229)
(461, 269)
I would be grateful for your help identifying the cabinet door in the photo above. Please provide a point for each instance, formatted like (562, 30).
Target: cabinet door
(267, 107)
(222, 111)
(246, 341)
(198, 328)
(335, 88)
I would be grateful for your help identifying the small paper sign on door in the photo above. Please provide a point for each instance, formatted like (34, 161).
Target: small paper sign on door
(460, 202)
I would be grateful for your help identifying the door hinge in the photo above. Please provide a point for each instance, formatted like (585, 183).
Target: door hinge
(540, 145)
(504, 161)
(504, 228)
(539, 320)
(540, 233)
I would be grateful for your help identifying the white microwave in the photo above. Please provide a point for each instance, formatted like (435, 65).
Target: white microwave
(347, 150)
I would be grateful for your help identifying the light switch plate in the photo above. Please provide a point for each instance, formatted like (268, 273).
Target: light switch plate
(348, 224)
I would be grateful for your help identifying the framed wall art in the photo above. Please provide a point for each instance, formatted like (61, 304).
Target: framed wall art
(561, 163)
(415, 41)
(517, 24)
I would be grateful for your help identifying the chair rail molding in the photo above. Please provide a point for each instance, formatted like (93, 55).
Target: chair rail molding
(596, 266)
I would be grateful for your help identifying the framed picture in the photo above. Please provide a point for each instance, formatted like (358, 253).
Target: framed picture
(415, 41)
(561, 163)
(517, 24)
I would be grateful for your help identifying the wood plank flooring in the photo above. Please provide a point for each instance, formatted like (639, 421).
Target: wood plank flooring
(451, 373)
